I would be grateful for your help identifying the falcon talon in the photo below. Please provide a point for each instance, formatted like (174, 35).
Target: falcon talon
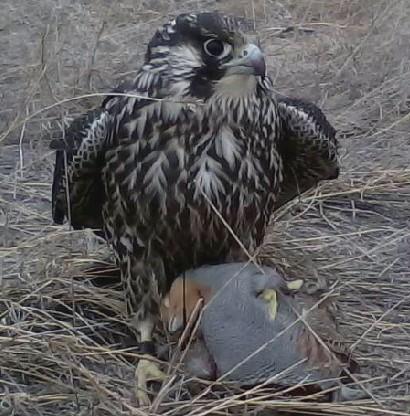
(295, 284)
(270, 297)
(146, 371)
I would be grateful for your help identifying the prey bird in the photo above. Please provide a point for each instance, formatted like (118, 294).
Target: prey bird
(196, 152)
(249, 332)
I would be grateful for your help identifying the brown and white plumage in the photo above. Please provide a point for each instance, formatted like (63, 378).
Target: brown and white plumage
(201, 125)
(308, 148)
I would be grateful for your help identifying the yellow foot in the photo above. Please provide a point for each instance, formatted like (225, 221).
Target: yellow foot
(294, 284)
(146, 371)
(270, 297)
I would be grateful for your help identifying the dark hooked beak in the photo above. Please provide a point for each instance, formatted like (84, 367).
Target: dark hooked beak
(250, 62)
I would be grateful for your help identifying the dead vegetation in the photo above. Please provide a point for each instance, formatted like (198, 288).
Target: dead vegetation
(64, 345)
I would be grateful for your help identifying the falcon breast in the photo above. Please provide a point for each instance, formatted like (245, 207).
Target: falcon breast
(193, 155)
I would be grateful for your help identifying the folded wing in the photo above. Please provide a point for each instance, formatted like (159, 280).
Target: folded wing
(308, 146)
(77, 172)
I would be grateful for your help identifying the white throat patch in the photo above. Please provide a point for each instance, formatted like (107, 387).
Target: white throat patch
(236, 86)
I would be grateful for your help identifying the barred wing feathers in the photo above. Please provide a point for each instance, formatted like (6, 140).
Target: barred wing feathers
(81, 153)
(308, 146)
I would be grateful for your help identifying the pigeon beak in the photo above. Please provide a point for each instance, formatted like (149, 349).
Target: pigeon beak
(250, 62)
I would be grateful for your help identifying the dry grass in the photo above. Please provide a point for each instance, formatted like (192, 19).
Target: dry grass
(63, 341)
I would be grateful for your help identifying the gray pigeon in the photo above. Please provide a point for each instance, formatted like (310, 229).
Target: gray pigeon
(249, 331)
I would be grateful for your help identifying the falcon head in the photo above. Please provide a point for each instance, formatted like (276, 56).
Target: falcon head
(197, 55)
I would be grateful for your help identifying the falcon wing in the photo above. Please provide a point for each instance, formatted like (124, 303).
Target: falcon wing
(308, 147)
(78, 160)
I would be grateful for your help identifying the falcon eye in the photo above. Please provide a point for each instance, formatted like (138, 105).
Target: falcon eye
(216, 48)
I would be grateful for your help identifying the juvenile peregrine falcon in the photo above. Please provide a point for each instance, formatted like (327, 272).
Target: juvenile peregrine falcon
(203, 136)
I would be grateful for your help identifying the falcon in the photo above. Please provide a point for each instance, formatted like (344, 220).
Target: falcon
(189, 159)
